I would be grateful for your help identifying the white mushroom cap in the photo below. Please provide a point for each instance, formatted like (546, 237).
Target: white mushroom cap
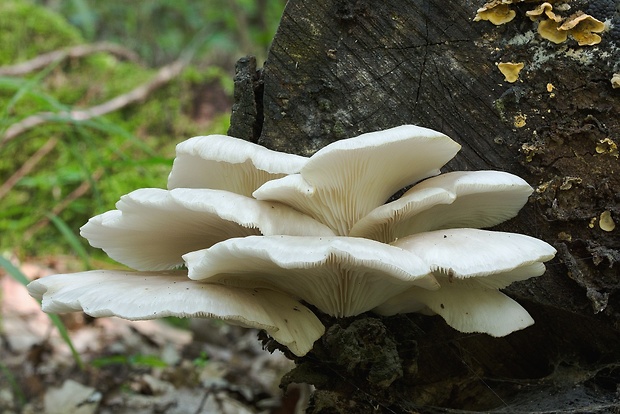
(471, 265)
(225, 163)
(467, 253)
(141, 295)
(458, 199)
(342, 276)
(464, 308)
(153, 228)
(347, 179)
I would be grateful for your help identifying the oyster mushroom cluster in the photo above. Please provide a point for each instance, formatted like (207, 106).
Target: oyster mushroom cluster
(253, 236)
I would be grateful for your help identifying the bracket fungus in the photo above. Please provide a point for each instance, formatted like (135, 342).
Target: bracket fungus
(510, 70)
(263, 234)
(552, 26)
(347, 179)
(550, 30)
(149, 295)
(545, 8)
(583, 28)
(227, 163)
(580, 26)
(497, 12)
(460, 199)
(471, 265)
(184, 220)
(342, 276)
(606, 222)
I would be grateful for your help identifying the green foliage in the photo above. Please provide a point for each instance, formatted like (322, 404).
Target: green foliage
(72, 239)
(27, 31)
(94, 162)
(17, 390)
(181, 323)
(160, 29)
(202, 360)
(145, 361)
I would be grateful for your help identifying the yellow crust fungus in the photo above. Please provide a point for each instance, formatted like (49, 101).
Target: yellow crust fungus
(544, 186)
(591, 223)
(607, 146)
(606, 222)
(529, 150)
(568, 182)
(520, 121)
(583, 28)
(510, 70)
(496, 12)
(565, 236)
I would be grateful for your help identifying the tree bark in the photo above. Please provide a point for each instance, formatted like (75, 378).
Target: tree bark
(338, 68)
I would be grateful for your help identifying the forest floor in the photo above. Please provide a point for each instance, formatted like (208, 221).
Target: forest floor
(132, 367)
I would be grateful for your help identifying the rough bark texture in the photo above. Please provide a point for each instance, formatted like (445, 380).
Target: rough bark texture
(246, 119)
(340, 68)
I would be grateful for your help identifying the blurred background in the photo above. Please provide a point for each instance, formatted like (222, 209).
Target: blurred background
(94, 96)
(59, 172)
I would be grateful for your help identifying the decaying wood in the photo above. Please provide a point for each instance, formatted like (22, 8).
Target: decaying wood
(247, 111)
(338, 68)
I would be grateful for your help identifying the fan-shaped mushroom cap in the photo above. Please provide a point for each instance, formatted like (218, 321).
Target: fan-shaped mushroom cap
(225, 163)
(510, 70)
(584, 28)
(345, 180)
(584, 21)
(141, 295)
(464, 308)
(496, 12)
(342, 276)
(467, 253)
(550, 30)
(456, 199)
(545, 8)
(471, 265)
(153, 228)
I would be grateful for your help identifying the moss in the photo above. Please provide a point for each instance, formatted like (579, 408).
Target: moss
(27, 30)
(114, 154)
(500, 107)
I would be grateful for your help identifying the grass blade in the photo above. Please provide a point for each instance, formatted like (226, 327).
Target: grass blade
(13, 271)
(17, 391)
(64, 334)
(71, 238)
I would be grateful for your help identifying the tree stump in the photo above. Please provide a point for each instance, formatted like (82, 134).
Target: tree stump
(339, 68)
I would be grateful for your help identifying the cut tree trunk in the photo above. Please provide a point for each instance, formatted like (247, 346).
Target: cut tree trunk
(340, 68)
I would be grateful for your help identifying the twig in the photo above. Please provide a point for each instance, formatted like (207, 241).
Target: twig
(74, 195)
(46, 59)
(28, 166)
(163, 76)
